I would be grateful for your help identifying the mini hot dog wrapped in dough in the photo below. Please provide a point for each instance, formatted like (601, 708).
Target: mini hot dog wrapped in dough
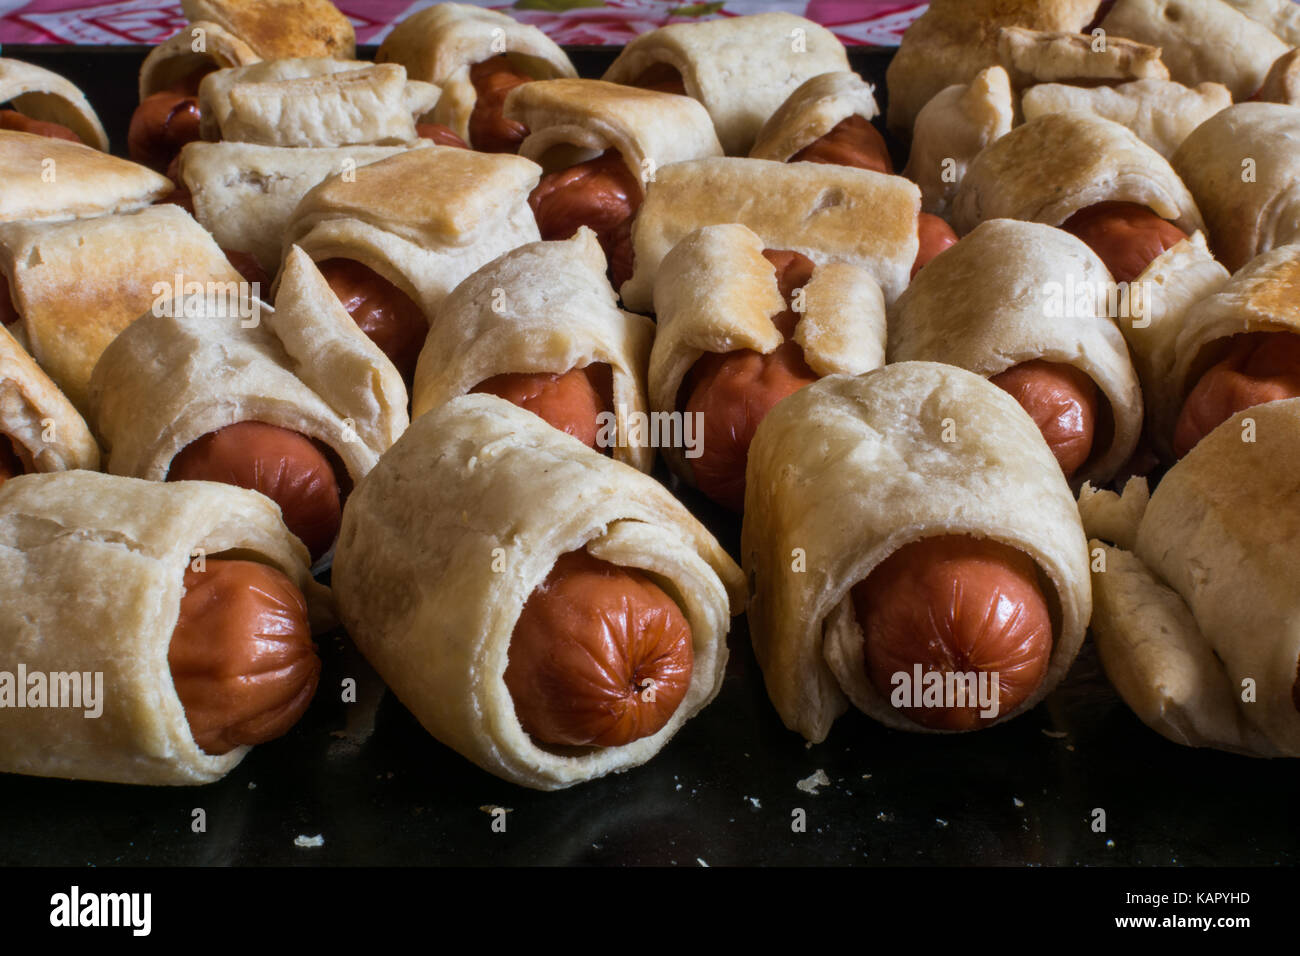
(1027, 307)
(476, 57)
(1093, 178)
(913, 523)
(598, 145)
(550, 614)
(1196, 595)
(76, 285)
(1053, 56)
(394, 237)
(730, 346)
(826, 120)
(541, 327)
(825, 212)
(189, 653)
(46, 104)
(741, 68)
(314, 102)
(299, 405)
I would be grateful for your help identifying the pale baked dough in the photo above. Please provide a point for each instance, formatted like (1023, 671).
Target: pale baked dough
(1207, 600)
(1012, 292)
(48, 179)
(47, 432)
(571, 121)
(1282, 17)
(1161, 112)
(1241, 165)
(245, 194)
(444, 541)
(1049, 168)
(313, 102)
(544, 307)
(278, 29)
(1200, 40)
(852, 468)
(78, 284)
(1282, 84)
(815, 108)
(828, 213)
(43, 95)
(715, 292)
(952, 129)
(423, 219)
(741, 68)
(121, 547)
(177, 58)
(1046, 56)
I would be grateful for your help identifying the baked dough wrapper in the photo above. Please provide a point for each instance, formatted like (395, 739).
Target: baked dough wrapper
(78, 284)
(43, 95)
(84, 182)
(1045, 56)
(543, 307)
(1203, 593)
(813, 110)
(38, 417)
(571, 121)
(852, 468)
(1241, 166)
(827, 213)
(1280, 16)
(741, 68)
(313, 102)
(479, 484)
(1010, 293)
(175, 58)
(423, 219)
(440, 44)
(121, 547)
(1049, 168)
(715, 292)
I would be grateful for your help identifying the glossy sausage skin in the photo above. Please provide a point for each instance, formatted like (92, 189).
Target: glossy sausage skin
(1125, 236)
(569, 402)
(489, 130)
(13, 120)
(734, 391)
(246, 265)
(241, 655)
(384, 312)
(935, 235)
(1062, 401)
(442, 135)
(160, 126)
(954, 603)
(8, 314)
(282, 464)
(663, 78)
(852, 142)
(602, 194)
(1258, 367)
(589, 638)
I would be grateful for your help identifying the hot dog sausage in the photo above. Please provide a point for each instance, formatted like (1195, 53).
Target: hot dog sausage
(384, 312)
(1259, 367)
(935, 236)
(734, 391)
(241, 655)
(602, 194)
(246, 265)
(1124, 235)
(160, 126)
(8, 313)
(1062, 401)
(852, 142)
(180, 196)
(442, 135)
(600, 656)
(570, 401)
(13, 120)
(663, 78)
(11, 465)
(489, 130)
(955, 604)
(281, 464)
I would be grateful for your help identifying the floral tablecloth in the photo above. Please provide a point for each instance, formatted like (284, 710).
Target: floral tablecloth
(608, 22)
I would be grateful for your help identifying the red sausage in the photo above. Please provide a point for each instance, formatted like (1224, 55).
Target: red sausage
(1062, 401)
(13, 120)
(663, 78)
(489, 130)
(246, 265)
(281, 464)
(601, 193)
(8, 312)
(589, 639)
(955, 604)
(241, 655)
(384, 312)
(442, 135)
(180, 196)
(1259, 367)
(569, 402)
(160, 126)
(852, 142)
(11, 465)
(935, 236)
(1124, 235)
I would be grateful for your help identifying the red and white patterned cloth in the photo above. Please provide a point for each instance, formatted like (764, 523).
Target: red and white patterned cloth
(600, 22)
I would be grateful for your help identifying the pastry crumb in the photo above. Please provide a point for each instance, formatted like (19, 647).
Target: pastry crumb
(493, 808)
(1017, 801)
(754, 801)
(308, 841)
(810, 783)
(701, 862)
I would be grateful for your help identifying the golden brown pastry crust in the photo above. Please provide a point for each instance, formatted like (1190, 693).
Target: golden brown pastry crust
(43, 95)
(815, 108)
(175, 59)
(1046, 56)
(276, 29)
(37, 417)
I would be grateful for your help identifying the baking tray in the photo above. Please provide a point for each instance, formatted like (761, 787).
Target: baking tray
(378, 790)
